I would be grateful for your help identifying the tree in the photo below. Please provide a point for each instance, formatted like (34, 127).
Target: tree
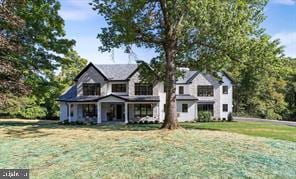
(32, 44)
(42, 102)
(182, 31)
(10, 77)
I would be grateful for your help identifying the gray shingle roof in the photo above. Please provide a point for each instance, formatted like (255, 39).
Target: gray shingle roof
(71, 96)
(117, 71)
(142, 98)
(187, 77)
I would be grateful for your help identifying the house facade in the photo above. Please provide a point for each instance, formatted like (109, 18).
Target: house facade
(103, 93)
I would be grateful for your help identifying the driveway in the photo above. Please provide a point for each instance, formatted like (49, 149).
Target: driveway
(288, 123)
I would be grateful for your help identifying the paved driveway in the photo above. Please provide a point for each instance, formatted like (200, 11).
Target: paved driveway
(288, 123)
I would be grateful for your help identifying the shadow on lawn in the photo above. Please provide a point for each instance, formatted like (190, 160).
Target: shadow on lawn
(33, 127)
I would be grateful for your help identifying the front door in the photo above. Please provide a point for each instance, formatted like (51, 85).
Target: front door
(118, 111)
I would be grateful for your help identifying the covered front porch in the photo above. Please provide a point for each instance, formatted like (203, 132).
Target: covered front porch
(112, 109)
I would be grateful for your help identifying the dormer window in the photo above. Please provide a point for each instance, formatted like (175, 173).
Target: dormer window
(91, 89)
(119, 88)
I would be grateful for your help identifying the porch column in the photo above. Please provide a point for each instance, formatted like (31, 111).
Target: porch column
(126, 112)
(99, 120)
(75, 113)
(69, 112)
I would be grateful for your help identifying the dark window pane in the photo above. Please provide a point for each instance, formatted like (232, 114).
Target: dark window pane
(225, 89)
(143, 89)
(119, 88)
(143, 110)
(225, 107)
(206, 107)
(205, 91)
(184, 107)
(89, 110)
(181, 89)
(91, 89)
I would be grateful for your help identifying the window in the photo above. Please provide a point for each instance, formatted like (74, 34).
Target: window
(205, 107)
(143, 89)
(91, 89)
(225, 89)
(71, 110)
(143, 110)
(181, 89)
(164, 107)
(205, 91)
(119, 88)
(184, 107)
(89, 110)
(225, 107)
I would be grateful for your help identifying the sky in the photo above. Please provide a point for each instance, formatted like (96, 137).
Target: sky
(83, 24)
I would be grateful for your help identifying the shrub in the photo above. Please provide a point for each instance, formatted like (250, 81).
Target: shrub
(230, 117)
(141, 122)
(79, 122)
(146, 122)
(64, 122)
(156, 122)
(204, 116)
(93, 122)
(151, 122)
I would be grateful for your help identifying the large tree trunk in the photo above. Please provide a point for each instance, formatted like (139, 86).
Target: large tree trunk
(170, 120)
(170, 47)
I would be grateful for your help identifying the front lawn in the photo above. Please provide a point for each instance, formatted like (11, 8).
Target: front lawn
(50, 150)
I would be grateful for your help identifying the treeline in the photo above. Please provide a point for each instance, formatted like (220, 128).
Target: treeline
(37, 62)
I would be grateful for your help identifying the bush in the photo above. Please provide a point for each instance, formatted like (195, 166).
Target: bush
(230, 117)
(64, 122)
(146, 122)
(156, 122)
(204, 116)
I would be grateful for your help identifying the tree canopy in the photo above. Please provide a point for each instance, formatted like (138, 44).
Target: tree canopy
(206, 35)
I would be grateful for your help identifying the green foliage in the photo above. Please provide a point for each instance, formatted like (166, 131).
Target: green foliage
(25, 107)
(204, 116)
(42, 43)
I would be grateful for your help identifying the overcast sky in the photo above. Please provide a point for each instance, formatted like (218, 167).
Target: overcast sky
(83, 24)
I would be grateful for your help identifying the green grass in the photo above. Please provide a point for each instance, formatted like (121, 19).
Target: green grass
(202, 150)
(261, 129)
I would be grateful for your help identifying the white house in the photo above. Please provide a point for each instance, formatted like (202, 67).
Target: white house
(115, 93)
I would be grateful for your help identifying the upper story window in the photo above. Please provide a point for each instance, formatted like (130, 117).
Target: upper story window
(225, 89)
(143, 89)
(119, 88)
(205, 90)
(91, 89)
(181, 89)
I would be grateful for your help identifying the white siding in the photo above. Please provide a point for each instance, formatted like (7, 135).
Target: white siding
(186, 116)
(226, 98)
(91, 75)
(63, 111)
